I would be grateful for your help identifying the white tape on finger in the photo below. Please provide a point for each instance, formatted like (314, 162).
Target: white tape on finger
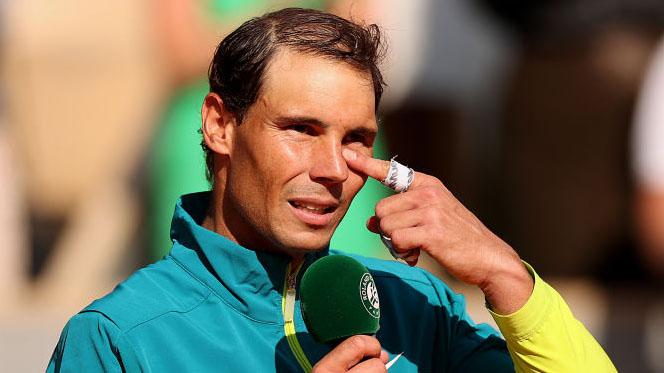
(399, 177)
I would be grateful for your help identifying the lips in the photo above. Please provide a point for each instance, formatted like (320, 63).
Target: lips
(310, 207)
(313, 212)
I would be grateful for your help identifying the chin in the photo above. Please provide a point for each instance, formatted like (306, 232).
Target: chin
(305, 242)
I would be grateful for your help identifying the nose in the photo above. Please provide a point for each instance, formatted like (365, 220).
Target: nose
(329, 166)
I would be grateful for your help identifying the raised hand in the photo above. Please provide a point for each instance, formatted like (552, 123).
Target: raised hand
(428, 217)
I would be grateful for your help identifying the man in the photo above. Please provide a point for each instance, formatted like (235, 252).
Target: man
(288, 128)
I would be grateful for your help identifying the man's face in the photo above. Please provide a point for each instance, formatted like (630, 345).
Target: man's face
(287, 177)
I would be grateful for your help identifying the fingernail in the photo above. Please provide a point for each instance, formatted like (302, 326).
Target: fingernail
(349, 154)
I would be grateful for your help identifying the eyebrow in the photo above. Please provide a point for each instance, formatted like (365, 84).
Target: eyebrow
(298, 119)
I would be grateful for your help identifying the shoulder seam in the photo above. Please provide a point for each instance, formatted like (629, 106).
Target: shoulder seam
(114, 345)
(123, 332)
(103, 315)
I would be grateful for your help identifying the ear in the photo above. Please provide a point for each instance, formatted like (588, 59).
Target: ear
(218, 124)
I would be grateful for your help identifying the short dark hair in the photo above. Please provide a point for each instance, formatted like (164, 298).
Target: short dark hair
(238, 67)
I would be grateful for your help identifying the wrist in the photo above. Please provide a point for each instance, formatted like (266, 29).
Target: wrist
(509, 287)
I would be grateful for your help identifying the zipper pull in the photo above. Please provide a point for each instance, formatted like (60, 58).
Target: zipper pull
(289, 308)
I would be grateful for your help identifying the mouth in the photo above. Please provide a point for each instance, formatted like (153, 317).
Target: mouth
(312, 207)
(312, 212)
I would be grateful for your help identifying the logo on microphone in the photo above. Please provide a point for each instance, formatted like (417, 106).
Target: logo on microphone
(369, 295)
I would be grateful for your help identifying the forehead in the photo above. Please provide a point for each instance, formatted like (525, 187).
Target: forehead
(298, 83)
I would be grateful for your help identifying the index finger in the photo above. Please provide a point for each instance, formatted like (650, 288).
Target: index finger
(372, 167)
(399, 181)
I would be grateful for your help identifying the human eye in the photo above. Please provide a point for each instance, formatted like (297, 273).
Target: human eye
(302, 128)
(358, 138)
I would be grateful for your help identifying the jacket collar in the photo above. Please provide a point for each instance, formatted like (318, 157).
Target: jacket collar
(251, 281)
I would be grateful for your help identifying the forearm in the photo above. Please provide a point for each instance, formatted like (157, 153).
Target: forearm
(543, 335)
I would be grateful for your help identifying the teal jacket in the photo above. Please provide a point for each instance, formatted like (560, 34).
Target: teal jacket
(212, 305)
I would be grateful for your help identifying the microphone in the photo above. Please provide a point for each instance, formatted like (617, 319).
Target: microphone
(338, 299)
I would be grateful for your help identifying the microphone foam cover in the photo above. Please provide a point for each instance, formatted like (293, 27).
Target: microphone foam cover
(338, 298)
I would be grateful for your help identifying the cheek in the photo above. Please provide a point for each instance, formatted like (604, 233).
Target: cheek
(266, 162)
(281, 167)
(245, 187)
(284, 152)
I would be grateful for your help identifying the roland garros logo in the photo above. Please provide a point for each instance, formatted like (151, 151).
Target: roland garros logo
(369, 295)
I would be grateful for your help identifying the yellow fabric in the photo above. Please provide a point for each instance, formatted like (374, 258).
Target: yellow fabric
(544, 336)
(289, 326)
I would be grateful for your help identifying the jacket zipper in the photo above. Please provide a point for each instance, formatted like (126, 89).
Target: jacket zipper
(288, 309)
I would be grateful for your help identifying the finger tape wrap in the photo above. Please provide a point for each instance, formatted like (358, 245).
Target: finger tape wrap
(399, 177)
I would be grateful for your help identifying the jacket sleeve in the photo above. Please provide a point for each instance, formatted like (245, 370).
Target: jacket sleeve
(86, 345)
(467, 347)
(544, 336)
